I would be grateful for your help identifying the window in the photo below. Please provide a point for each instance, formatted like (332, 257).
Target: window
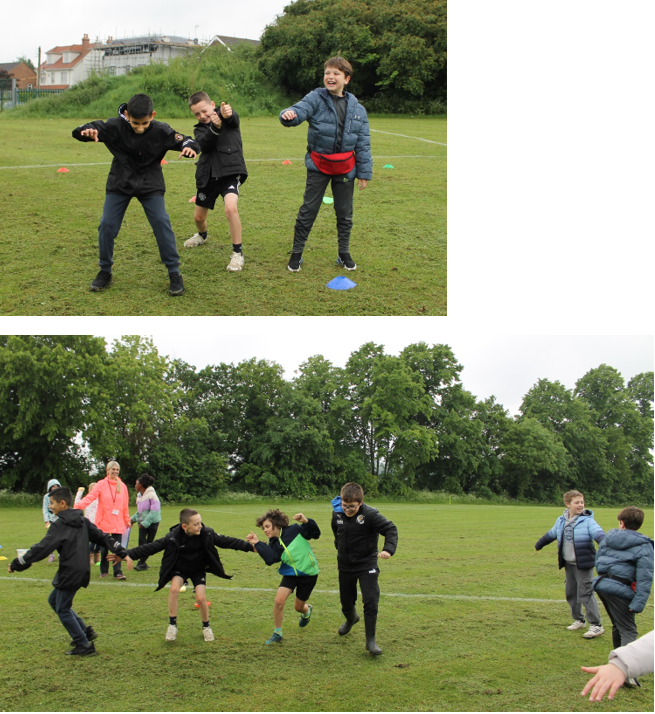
(29, 86)
(63, 77)
(52, 78)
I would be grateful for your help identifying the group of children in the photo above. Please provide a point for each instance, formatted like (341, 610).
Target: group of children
(190, 553)
(623, 563)
(338, 152)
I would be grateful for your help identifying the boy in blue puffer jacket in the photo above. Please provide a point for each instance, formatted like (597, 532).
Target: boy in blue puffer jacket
(624, 564)
(575, 532)
(338, 150)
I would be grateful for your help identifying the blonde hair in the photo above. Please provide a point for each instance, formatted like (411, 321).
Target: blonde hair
(570, 495)
(111, 465)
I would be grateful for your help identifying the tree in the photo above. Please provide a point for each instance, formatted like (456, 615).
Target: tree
(27, 61)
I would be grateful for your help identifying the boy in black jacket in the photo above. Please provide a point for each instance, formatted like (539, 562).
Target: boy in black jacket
(69, 535)
(356, 528)
(221, 170)
(138, 143)
(189, 554)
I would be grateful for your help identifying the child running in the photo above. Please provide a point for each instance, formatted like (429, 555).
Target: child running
(299, 570)
(48, 516)
(189, 554)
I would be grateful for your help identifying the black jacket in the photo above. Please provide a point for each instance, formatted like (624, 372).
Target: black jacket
(69, 535)
(222, 152)
(136, 168)
(170, 544)
(356, 538)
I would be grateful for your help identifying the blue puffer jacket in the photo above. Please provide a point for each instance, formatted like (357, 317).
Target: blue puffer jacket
(627, 555)
(318, 110)
(585, 532)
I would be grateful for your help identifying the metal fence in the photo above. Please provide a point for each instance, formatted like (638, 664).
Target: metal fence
(11, 96)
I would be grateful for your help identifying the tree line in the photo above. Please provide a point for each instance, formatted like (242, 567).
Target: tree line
(69, 404)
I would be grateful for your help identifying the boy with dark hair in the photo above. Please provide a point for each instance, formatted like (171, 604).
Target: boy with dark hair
(338, 151)
(139, 144)
(624, 564)
(356, 529)
(69, 535)
(575, 532)
(221, 170)
(189, 554)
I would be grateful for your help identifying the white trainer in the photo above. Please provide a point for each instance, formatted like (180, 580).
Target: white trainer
(171, 633)
(195, 240)
(594, 631)
(577, 625)
(208, 634)
(236, 263)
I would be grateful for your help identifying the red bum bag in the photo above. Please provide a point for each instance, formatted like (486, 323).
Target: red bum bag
(334, 164)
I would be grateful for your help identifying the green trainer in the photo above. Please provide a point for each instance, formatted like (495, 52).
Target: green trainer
(304, 621)
(274, 638)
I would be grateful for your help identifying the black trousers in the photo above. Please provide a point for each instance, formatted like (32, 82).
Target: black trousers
(368, 583)
(624, 629)
(147, 535)
(104, 563)
(342, 191)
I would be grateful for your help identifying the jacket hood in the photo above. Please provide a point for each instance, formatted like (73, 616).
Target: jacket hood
(121, 112)
(336, 502)
(51, 483)
(620, 539)
(72, 517)
(584, 513)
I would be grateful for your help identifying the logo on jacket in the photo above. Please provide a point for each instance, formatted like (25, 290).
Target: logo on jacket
(360, 518)
(202, 196)
(178, 137)
(339, 523)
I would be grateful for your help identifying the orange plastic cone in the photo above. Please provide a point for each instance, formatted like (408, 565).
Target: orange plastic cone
(286, 161)
(63, 170)
(163, 161)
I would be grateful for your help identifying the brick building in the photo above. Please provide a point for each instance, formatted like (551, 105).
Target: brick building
(25, 76)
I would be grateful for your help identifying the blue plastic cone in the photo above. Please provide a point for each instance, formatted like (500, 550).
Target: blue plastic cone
(341, 282)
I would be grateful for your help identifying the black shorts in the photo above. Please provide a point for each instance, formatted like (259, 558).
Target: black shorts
(199, 578)
(304, 583)
(207, 195)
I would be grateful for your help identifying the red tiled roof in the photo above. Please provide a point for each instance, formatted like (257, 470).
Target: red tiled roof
(60, 64)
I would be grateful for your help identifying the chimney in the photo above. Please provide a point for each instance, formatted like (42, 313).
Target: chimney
(86, 43)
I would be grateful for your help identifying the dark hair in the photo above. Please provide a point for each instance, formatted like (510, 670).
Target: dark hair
(146, 480)
(62, 494)
(275, 516)
(186, 514)
(341, 64)
(632, 518)
(139, 106)
(198, 97)
(352, 492)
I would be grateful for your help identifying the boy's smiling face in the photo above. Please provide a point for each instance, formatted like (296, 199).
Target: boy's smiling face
(203, 111)
(194, 526)
(141, 124)
(57, 506)
(576, 506)
(335, 81)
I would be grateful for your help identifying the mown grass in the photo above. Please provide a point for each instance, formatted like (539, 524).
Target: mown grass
(441, 653)
(49, 225)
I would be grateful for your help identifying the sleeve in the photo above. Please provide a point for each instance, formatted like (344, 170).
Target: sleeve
(176, 141)
(232, 543)
(643, 578)
(634, 659)
(46, 509)
(547, 538)
(304, 110)
(146, 521)
(88, 499)
(334, 530)
(126, 508)
(106, 539)
(206, 137)
(363, 159)
(78, 497)
(101, 126)
(41, 550)
(389, 531)
(149, 548)
(270, 553)
(233, 122)
(310, 530)
(595, 531)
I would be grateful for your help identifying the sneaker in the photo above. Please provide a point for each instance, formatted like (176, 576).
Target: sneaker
(120, 576)
(104, 575)
(594, 631)
(195, 240)
(177, 286)
(236, 263)
(274, 638)
(631, 683)
(103, 278)
(346, 261)
(295, 261)
(208, 634)
(51, 558)
(171, 633)
(83, 650)
(141, 566)
(304, 621)
(90, 633)
(577, 625)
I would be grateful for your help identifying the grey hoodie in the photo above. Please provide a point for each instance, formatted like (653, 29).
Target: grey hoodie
(568, 551)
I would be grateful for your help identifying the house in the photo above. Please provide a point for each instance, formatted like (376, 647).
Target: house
(25, 76)
(65, 65)
(230, 42)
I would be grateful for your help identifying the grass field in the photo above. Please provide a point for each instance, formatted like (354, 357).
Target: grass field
(457, 626)
(49, 227)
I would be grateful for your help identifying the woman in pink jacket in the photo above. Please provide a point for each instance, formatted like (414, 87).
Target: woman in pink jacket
(112, 515)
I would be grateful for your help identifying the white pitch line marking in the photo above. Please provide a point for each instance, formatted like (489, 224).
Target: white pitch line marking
(405, 136)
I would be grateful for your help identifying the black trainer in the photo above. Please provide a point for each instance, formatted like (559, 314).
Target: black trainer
(346, 261)
(177, 286)
(295, 261)
(83, 651)
(90, 633)
(102, 280)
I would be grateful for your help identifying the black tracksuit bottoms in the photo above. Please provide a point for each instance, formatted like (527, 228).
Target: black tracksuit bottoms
(368, 583)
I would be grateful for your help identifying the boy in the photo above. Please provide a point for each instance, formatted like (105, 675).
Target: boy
(70, 535)
(138, 143)
(339, 149)
(624, 564)
(221, 170)
(575, 530)
(48, 516)
(189, 553)
(356, 528)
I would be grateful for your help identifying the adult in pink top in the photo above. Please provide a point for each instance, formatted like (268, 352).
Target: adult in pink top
(112, 515)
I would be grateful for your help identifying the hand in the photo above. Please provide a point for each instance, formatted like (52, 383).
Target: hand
(363, 183)
(47, 525)
(226, 110)
(252, 538)
(300, 517)
(187, 151)
(289, 115)
(384, 555)
(608, 676)
(140, 526)
(113, 558)
(216, 120)
(93, 133)
(81, 488)
(9, 569)
(129, 562)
